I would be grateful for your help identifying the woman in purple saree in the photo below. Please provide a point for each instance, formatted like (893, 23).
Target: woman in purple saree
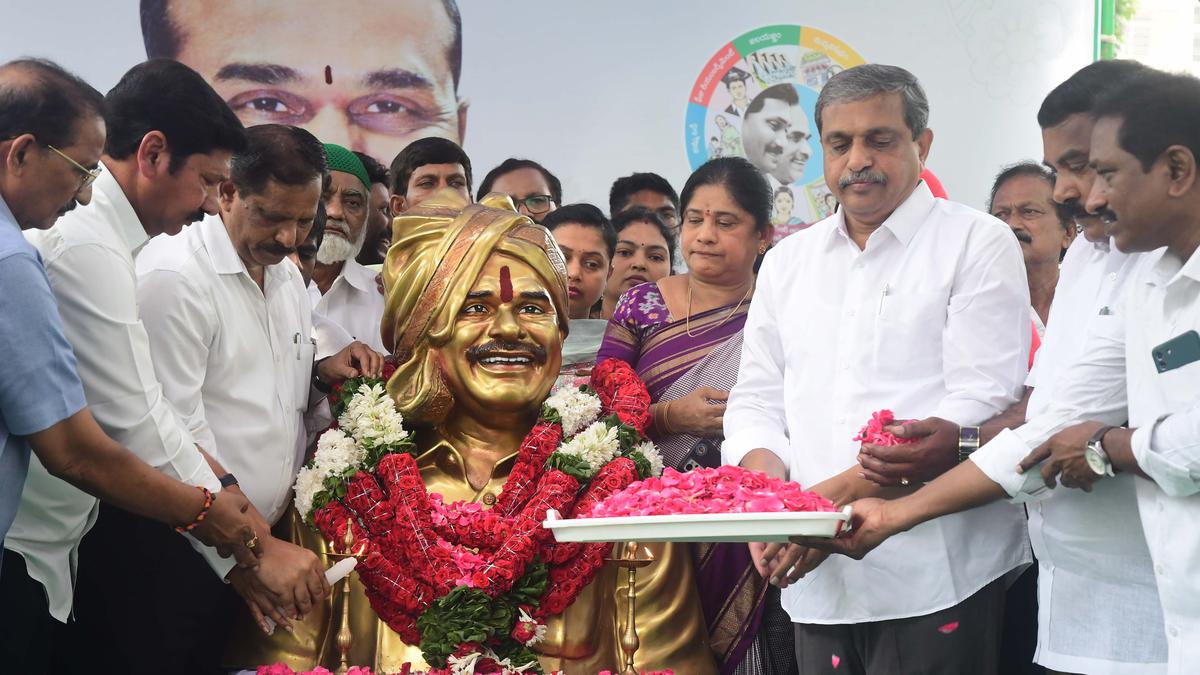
(683, 335)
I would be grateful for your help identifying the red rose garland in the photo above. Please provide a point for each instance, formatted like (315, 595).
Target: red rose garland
(415, 549)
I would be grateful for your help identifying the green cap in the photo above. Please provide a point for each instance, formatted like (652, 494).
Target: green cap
(341, 159)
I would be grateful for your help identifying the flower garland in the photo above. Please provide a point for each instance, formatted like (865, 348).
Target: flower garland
(473, 586)
(283, 669)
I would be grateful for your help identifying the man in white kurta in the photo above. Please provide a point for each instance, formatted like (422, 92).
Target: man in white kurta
(341, 289)
(923, 312)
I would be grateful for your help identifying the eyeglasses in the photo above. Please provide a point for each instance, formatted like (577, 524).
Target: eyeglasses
(535, 204)
(89, 175)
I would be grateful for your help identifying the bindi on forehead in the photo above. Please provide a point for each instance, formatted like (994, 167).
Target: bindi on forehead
(328, 74)
(506, 287)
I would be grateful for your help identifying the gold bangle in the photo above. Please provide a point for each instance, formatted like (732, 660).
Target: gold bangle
(666, 424)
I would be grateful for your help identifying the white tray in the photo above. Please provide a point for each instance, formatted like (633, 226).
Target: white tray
(701, 527)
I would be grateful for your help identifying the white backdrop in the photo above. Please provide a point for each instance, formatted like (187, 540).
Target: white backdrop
(617, 75)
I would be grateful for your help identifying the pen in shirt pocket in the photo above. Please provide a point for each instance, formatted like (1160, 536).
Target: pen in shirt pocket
(296, 341)
(887, 289)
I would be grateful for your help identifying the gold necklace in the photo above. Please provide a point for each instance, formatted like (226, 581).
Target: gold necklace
(687, 319)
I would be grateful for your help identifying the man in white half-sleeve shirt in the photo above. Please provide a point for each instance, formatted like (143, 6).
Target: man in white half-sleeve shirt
(341, 289)
(1143, 366)
(169, 141)
(898, 301)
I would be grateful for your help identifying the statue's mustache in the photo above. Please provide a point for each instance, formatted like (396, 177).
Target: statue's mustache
(534, 352)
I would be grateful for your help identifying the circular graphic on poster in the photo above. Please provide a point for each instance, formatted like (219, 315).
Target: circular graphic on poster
(755, 99)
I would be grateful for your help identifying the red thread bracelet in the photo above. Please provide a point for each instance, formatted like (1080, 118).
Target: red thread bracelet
(208, 502)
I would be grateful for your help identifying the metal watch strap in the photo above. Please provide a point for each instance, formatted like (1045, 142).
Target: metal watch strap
(1097, 443)
(968, 442)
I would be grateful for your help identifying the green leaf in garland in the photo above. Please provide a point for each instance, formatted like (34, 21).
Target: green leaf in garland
(462, 615)
(642, 464)
(529, 588)
(571, 465)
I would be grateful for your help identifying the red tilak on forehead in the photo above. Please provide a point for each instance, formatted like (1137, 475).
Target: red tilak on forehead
(506, 293)
(328, 75)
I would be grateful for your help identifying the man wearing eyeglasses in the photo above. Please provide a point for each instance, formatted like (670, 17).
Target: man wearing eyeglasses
(534, 190)
(52, 130)
(168, 145)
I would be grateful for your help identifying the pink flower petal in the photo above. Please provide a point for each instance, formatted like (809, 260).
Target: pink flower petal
(836, 660)
(948, 628)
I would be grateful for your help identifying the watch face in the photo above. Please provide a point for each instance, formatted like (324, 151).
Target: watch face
(1095, 461)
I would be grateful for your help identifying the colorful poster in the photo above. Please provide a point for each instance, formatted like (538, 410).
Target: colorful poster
(755, 99)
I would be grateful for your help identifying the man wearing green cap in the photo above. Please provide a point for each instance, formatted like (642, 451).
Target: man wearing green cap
(342, 290)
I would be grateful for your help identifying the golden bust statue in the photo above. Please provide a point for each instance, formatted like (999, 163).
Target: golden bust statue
(476, 314)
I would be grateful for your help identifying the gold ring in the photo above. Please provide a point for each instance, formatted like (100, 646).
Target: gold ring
(252, 542)
(903, 481)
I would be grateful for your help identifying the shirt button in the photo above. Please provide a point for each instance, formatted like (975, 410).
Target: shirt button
(1173, 631)
(845, 366)
(841, 420)
(489, 499)
(849, 312)
(1158, 569)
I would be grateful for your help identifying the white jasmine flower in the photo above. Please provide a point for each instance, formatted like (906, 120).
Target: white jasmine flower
(372, 419)
(308, 483)
(337, 452)
(597, 445)
(652, 455)
(576, 408)
(463, 665)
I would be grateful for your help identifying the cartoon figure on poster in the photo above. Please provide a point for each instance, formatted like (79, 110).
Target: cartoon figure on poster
(755, 99)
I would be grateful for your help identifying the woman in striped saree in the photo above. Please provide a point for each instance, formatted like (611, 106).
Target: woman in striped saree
(683, 336)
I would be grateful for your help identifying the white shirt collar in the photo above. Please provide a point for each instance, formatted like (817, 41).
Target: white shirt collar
(108, 194)
(904, 221)
(358, 276)
(1168, 269)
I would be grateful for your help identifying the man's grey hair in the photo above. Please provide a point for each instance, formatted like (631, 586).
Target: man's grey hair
(872, 79)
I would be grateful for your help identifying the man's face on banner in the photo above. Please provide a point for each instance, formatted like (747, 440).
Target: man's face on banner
(371, 75)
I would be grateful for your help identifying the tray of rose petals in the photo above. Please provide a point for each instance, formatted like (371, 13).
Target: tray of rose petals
(726, 504)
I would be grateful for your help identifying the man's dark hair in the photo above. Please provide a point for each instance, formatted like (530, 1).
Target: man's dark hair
(745, 183)
(1033, 169)
(317, 233)
(163, 38)
(1079, 92)
(426, 151)
(167, 96)
(872, 79)
(512, 164)
(625, 187)
(780, 92)
(377, 172)
(588, 216)
(39, 97)
(285, 154)
(640, 214)
(1156, 110)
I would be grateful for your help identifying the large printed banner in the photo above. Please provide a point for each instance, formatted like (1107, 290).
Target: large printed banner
(593, 90)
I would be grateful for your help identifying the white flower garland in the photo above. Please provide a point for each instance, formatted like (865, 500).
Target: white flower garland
(596, 445)
(576, 408)
(652, 455)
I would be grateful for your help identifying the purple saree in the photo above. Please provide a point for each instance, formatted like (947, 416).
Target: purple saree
(672, 363)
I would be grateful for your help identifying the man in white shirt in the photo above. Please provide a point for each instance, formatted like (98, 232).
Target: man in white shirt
(229, 325)
(1141, 364)
(171, 166)
(1089, 548)
(1023, 198)
(898, 301)
(341, 289)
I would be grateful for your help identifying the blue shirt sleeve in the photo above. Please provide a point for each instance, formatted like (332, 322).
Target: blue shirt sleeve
(39, 386)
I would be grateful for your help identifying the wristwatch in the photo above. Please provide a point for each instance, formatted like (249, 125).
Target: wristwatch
(228, 480)
(968, 442)
(1095, 454)
(320, 384)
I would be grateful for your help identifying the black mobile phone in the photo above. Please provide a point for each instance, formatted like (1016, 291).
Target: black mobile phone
(1177, 352)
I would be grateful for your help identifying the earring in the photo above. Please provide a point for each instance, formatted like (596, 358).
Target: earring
(762, 249)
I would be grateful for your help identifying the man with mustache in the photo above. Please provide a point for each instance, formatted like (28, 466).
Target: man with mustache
(1139, 365)
(342, 290)
(898, 301)
(229, 324)
(1023, 197)
(1090, 548)
(775, 134)
(169, 140)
